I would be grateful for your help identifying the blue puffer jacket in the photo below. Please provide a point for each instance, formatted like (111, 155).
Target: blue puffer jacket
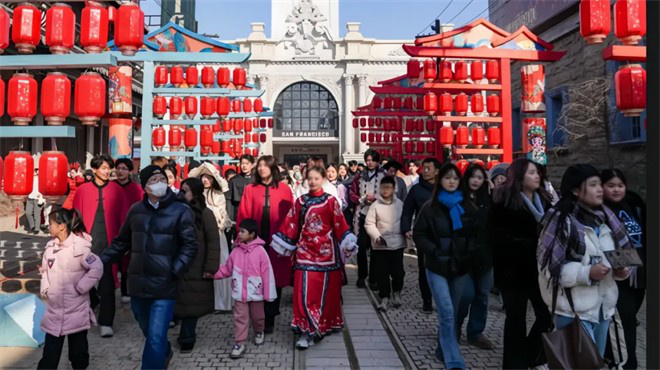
(163, 244)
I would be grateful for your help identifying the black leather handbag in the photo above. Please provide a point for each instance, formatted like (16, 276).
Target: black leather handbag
(570, 347)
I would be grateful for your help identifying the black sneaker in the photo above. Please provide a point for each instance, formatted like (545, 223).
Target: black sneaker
(187, 348)
(427, 307)
(360, 283)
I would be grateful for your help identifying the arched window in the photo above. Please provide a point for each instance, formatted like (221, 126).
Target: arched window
(306, 109)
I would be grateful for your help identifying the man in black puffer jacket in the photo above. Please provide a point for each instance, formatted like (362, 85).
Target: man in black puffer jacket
(419, 194)
(161, 236)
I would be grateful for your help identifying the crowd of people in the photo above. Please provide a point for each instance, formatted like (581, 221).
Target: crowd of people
(184, 245)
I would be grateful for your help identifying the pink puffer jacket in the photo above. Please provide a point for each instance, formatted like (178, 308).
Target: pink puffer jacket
(251, 274)
(68, 271)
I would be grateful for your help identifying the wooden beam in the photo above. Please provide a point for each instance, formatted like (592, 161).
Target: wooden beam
(625, 53)
(483, 53)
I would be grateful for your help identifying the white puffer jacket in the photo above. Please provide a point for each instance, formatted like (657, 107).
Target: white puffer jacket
(384, 220)
(588, 296)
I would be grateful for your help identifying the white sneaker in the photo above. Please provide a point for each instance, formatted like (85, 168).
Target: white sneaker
(106, 332)
(304, 342)
(383, 304)
(259, 339)
(237, 351)
(125, 299)
(396, 299)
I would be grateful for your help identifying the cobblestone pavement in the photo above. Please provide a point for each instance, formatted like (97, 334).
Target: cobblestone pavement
(417, 330)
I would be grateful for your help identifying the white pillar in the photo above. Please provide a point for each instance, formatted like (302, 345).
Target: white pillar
(362, 100)
(348, 134)
(262, 84)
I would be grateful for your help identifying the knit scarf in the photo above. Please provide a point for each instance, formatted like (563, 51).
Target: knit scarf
(557, 247)
(453, 202)
(535, 208)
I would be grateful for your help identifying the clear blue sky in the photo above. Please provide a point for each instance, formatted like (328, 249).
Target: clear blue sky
(383, 19)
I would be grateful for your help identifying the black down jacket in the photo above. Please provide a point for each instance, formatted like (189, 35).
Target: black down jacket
(163, 244)
(445, 250)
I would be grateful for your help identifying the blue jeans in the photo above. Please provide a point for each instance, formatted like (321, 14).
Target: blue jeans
(475, 300)
(154, 316)
(445, 292)
(598, 332)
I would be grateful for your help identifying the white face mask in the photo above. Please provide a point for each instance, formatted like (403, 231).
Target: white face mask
(158, 190)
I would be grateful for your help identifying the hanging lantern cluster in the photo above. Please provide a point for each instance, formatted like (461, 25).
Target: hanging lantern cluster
(207, 106)
(629, 20)
(460, 71)
(17, 169)
(61, 28)
(191, 77)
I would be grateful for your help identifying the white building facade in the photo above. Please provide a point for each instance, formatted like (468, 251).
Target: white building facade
(313, 79)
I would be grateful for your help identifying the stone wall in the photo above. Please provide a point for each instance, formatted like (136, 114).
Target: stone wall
(583, 72)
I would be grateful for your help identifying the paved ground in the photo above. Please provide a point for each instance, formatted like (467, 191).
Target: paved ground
(401, 338)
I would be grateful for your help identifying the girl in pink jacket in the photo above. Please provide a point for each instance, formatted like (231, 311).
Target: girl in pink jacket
(69, 270)
(252, 284)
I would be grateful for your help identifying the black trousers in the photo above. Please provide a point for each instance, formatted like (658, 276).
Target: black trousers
(123, 278)
(364, 245)
(272, 309)
(388, 266)
(522, 350)
(188, 331)
(423, 282)
(78, 351)
(105, 297)
(628, 305)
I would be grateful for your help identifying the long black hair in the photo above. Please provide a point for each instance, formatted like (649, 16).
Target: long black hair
(198, 204)
(69, 217)
(444, 170)
(481, 194)
(509, 192)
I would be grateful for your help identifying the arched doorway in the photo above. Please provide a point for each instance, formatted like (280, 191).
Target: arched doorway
(306, 123)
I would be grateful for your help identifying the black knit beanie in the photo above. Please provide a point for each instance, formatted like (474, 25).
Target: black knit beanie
(149, 171)
(575, 175)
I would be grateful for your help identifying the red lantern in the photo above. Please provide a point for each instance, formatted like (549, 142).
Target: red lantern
(4, 31)
(410, 147)
(60, 28)
(247, 126)
(446, 136)
(477, 103)
(363, 137)
(22, 98)
(206, 139)
(158, 138)
(478, 137)
(461, 104)
(89, 101)
(262, 138)
(174, 138)
(445, 104)
(419, 125)
(420, 147)
(176, 107)
(492, 71)
(476, 71)
(240, 77)
(208, 76)
(429, 70)
(419, 102)
(430, 147)
(19, 174)
(217, 126)
(270, 123)
(2, 103)
(387, 102)
(26, 30)
(377, 102)
(207, 106)
(53, 179)
(190, 106)
(190, 138)
(225, 146)
(460, 71)
(94, 27)
(192, 76)
(236, 106)
(129, 28)
(258, 105)
(594, 20)
(630, 21)
(492, 164)
(378, 137)
(247, 105)
(630, 89)
(493, 105)
(215, 147)
(494, 137)
(430, 125)
(176, 76)
(238, 125)
(445, 74)
(408, 103)
(396, 102)
(160, 76)
(356, 122)
(480, 163)
(430, 103)
(462, 165)
(222, 106)
(159, 106)
(223, 77)
(55, 98)
(462, 136)
(413, 69)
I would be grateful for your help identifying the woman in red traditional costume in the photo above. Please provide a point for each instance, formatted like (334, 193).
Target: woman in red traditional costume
(268, 201)
(315, 229)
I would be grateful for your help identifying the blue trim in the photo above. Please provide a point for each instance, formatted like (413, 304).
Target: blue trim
(37, 131)
(185, 31)
(52, 61)
(554, 134)
(182, 57)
